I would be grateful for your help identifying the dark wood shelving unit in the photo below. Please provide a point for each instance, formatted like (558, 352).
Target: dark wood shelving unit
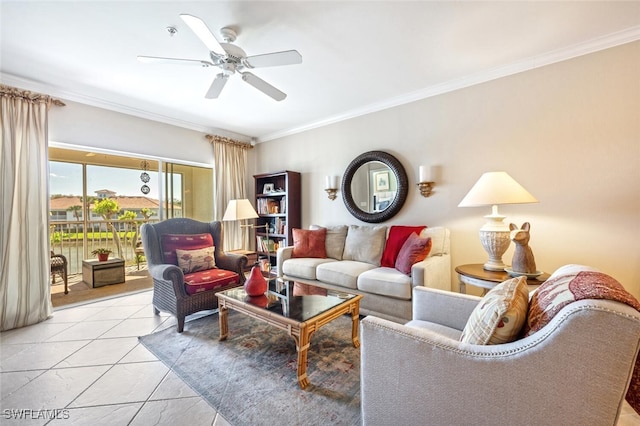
(280, 209)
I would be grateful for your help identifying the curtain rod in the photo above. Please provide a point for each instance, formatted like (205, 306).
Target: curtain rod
(30, 96)
(229, 141)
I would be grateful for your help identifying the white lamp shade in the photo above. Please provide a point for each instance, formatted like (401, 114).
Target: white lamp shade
(239, 209)
(495, 188)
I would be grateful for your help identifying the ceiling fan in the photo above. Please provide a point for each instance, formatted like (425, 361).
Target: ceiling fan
(230, 59)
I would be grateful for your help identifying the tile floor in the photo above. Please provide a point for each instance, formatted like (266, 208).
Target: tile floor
(86, 363)
(85, 366)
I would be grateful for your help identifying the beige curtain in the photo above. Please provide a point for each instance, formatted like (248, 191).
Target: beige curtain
(230, 183)
(25, 294)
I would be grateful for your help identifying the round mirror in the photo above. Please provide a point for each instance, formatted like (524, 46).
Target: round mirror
(374, 186)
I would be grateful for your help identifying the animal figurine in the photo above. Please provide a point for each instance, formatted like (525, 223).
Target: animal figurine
(523, 260)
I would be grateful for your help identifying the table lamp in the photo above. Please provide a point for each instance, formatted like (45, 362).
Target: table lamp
(493, 189)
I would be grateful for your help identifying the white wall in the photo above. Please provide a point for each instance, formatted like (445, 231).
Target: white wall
(568, 132)
(86, 126)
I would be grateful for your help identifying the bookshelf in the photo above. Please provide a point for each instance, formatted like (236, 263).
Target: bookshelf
(278, 206)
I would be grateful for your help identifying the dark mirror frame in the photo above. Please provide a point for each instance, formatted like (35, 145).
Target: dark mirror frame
(401, 177)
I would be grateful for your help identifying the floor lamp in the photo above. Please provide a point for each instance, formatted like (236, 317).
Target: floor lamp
(493, 189)
(243, 210)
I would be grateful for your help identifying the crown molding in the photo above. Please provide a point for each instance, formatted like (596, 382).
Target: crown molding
(26, 84)
(591, 46)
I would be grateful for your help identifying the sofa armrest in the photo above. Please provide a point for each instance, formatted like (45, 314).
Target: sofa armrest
(283, 254)
(443, 307)
(432, 272)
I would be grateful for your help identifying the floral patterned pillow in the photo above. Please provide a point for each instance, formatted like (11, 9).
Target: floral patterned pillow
(196, 260)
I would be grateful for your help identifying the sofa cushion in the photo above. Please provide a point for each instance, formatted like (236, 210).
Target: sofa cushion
(438, 235)
(500, 315)
(170, 242)
(396, 239)
(309, 243)
(415, 249)
(344, 273)
(210, 279)
(304, 267)
(385, 282)
(334, 240)
(365, 244)
(195, 260)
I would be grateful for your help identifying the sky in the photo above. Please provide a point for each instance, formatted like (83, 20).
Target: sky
(66, 179)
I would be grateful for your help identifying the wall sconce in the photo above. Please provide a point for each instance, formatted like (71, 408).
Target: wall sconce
(425, 183)
(331, 186)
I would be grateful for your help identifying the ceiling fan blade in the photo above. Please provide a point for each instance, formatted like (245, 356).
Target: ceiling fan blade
(217, 86)
(288, 57)
(156, 59)
(203, 32)
(263, 86)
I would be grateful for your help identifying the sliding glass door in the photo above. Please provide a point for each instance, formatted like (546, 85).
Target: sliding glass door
(100, 199)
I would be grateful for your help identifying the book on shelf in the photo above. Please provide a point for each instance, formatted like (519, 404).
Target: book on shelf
(270, 206)
(266, 244)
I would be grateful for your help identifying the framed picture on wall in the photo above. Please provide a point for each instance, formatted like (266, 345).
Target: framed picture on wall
(268, 188)
(381, 181)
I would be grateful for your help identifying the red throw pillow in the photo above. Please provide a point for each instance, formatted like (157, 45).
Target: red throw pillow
(170, 242)
(414, 250)
(397, 236)
(309, 243)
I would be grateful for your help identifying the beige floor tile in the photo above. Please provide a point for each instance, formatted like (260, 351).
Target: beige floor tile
(12, 381)
(32, 334)
(40, 356)
(184, 411)
(100, 352)
(134, 327)
(138, 354)
(53, 389)
(85, 330)
(115, 313)
(141, 299)
(124, 383)
(112, 415)
(172, 387)
(75, 315)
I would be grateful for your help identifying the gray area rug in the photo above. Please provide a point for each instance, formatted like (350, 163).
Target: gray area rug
(251, 377)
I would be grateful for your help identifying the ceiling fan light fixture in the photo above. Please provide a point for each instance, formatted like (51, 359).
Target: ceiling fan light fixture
(230, 59)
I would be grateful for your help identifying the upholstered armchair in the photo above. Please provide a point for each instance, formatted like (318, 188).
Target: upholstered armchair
(574, 370)
(188, 267)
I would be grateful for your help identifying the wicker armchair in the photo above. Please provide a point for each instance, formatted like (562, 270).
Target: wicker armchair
(59, 267)
(169, 290)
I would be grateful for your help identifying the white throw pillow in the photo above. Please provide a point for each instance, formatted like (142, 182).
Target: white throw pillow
(365, 244)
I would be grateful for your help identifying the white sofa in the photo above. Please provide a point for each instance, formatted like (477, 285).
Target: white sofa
(353, 265)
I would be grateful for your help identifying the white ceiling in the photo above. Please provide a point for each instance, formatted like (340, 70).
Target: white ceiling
(358, 56)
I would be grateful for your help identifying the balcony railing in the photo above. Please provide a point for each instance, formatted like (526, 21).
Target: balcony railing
(76, 243)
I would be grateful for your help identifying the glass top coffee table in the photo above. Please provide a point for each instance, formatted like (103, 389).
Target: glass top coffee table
(299, 309)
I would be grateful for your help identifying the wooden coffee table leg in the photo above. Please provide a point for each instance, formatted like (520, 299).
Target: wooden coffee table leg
(355, 318)
(224, 324)
(302, 348)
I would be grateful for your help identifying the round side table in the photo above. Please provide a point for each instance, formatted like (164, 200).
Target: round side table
(474, 274)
